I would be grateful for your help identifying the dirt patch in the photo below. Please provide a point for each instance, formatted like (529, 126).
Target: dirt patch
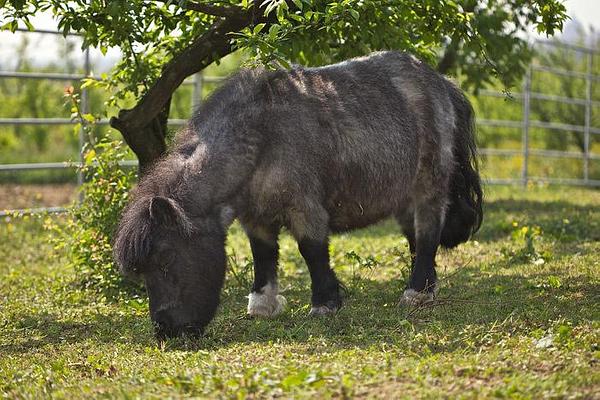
(13, 196)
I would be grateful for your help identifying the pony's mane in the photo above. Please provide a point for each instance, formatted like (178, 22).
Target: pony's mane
(133, 237)
(246, 86)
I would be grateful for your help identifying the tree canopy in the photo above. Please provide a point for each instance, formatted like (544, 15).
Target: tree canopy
(163, 42)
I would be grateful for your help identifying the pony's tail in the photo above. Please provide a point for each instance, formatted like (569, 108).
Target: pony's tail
(465, 212)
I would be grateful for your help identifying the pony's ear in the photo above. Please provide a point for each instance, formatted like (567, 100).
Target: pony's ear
(163, 211)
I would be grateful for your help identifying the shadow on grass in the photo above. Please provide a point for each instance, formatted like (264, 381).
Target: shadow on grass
(371, 316)
(34, 331)
(536, 298)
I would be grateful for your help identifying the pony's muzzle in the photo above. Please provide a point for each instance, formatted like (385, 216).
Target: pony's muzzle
(165, 327)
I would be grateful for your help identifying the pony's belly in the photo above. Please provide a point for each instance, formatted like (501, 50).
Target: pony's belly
(355, 215)
(361, 201)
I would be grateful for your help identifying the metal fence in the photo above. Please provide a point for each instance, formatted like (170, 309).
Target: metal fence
(524, 125)
(197, 81)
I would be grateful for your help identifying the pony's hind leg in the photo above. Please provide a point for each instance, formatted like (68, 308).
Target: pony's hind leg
(265, 300)
(423, 278)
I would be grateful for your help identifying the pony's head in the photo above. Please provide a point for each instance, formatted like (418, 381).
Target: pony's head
(181, 258)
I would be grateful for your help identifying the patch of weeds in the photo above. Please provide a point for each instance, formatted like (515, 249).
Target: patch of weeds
(547, 284)
(240, 271)
(564, 335)
(359, 264)
(402, 259)
(560, 335)
(86, 234)
(526, 238)
(563, 229)
(302, 378)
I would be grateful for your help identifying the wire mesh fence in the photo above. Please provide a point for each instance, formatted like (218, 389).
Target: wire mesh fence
(525, 124)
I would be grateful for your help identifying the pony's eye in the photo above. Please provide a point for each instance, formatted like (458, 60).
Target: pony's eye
(164, 256)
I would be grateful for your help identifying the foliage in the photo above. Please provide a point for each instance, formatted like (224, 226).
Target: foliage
(359, 264)
(163, 42)
(501, 328)
(526, 238)
(484, 40)
(39, 98)
(21, 99)
(86, 233)
(510, 108)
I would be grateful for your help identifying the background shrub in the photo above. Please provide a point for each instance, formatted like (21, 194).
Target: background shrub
(85, 235)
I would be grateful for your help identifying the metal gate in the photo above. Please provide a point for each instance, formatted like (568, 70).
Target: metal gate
(525, 125)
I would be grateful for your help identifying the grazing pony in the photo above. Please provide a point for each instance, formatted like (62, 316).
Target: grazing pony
(314, 150)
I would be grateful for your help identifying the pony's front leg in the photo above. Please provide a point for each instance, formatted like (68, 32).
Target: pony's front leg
(309, 223)
(265, 300)
(423, 278)
(310, 227)
(325, 286)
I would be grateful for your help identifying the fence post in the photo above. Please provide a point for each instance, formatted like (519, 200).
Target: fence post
(525, 135)
(85, 106)
(197, 93)
(588, 117)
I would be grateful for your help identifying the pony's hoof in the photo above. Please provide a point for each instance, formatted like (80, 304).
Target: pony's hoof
(264, 305)
(321, 310)
(412, 298)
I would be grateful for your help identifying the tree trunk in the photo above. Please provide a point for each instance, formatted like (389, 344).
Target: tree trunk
(149, 142)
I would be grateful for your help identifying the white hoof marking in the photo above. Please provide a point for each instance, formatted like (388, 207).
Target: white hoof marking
(266, 304)
(321, 310)
(411, 297)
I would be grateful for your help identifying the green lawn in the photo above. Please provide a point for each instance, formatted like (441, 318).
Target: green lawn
(517, 316)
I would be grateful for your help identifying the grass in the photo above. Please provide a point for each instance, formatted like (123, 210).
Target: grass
(517, 317)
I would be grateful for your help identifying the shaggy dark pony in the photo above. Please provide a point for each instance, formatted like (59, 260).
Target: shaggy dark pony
(314, 150)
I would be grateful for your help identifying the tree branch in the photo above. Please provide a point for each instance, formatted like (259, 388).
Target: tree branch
(212, 45)
(142, 126)
(449, 58)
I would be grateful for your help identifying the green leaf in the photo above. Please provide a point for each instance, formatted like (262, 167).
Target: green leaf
(90, 156)
(88, 118)
(273, 31)
(88, 82)
(281, 10)
(28, 24)
(258, 28)
(11, 26)
(298, 4)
